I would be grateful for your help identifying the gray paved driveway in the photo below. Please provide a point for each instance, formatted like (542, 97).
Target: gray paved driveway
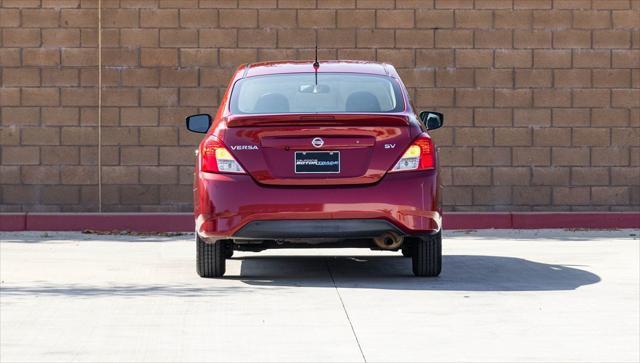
(503, 296)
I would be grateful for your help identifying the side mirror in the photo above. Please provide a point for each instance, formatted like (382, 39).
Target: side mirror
(432, 120)
(199, 123)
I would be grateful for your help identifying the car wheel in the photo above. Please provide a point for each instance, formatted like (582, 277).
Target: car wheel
(427, 256)
(406, 251)
(228, 250)
(210, 258)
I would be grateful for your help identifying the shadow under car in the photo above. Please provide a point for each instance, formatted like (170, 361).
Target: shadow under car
(460, 273)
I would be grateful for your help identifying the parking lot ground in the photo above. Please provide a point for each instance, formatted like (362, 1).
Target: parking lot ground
(537, 295)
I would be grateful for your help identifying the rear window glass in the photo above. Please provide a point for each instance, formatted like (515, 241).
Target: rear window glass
(331, 93)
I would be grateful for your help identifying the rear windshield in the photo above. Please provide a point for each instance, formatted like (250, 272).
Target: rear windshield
(331, 93)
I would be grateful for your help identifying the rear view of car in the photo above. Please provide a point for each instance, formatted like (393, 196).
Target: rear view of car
(308, 155)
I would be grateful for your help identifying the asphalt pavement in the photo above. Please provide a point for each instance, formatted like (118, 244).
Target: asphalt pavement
(538, 295)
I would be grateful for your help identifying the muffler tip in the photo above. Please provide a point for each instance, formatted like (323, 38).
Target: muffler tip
(388, 241)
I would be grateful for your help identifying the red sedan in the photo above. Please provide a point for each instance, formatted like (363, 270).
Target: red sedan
(308, 155)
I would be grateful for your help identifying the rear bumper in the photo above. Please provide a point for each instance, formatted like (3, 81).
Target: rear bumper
(228, 206)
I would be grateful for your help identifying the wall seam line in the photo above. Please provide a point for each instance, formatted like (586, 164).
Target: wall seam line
(100, 106)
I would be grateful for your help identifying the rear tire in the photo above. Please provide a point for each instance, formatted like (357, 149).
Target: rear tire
(406, 250)
(228, 251)
(427, 256)
(210, 258)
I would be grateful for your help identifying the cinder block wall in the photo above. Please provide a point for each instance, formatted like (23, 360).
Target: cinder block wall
(542, 98)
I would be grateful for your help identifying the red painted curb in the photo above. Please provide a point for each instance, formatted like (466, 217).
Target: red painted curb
(587, 220)
(140, 222)
(13, 222)
(471, 220)
(183, 222)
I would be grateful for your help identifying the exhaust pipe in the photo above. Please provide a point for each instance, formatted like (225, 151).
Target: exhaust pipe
(388, 241)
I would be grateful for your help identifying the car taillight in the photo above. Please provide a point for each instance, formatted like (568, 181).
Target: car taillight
(420, 155)
(215, 158)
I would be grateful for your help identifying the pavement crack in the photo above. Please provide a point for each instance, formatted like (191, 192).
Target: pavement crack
(355, 336)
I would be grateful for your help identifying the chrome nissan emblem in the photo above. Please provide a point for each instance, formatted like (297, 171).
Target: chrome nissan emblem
(317, 142)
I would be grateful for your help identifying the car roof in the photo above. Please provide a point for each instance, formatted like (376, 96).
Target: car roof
(350, 66)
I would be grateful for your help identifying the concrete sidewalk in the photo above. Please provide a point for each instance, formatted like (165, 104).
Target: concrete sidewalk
(538, 295)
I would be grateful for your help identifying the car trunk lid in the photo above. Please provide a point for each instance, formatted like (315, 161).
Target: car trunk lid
(317, 149)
